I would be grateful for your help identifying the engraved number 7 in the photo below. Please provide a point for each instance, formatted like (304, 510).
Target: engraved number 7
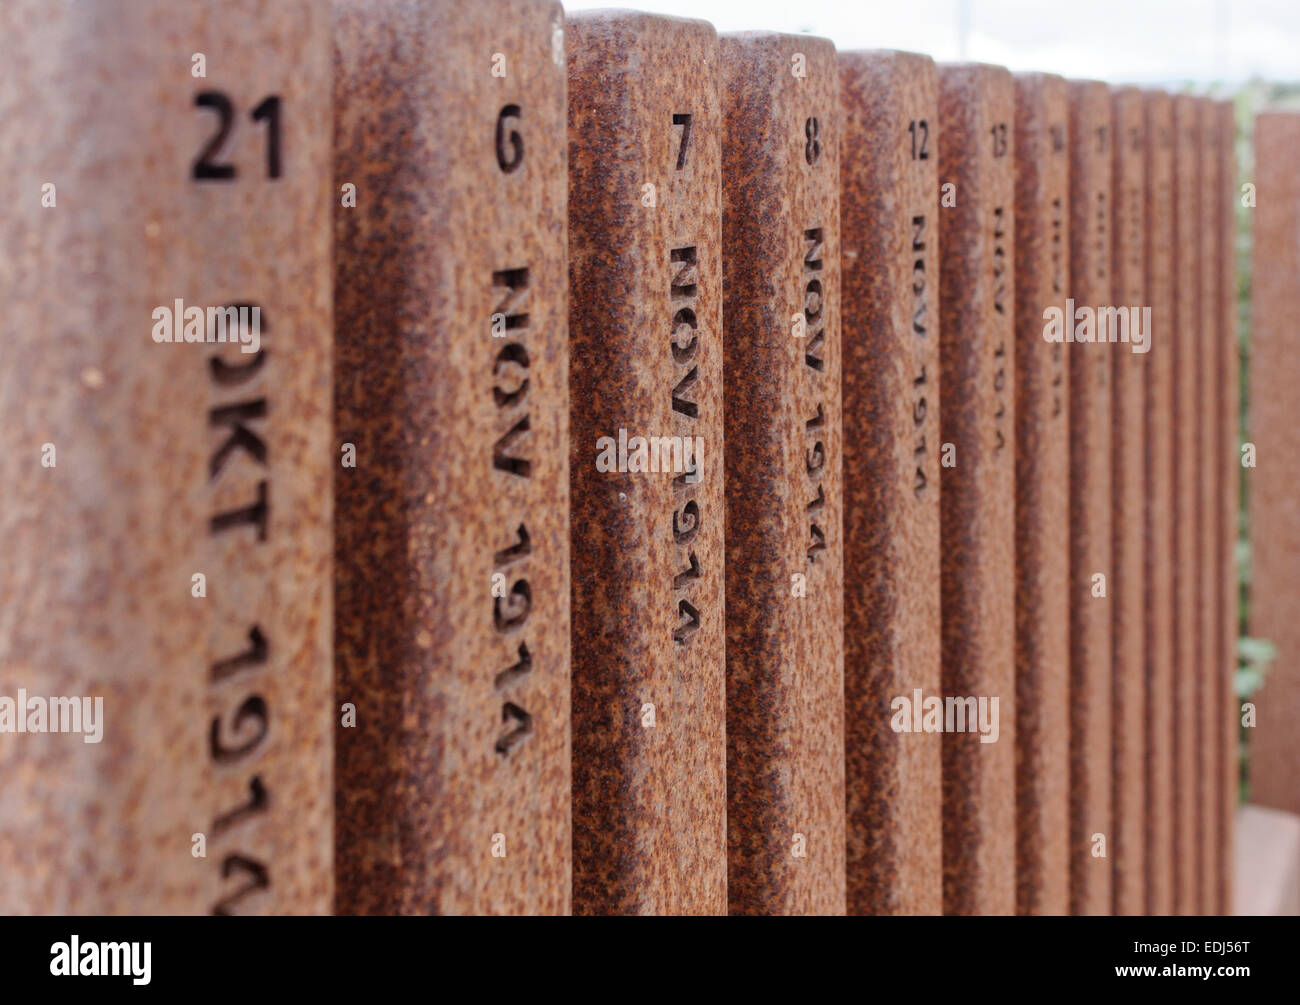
(683, 119)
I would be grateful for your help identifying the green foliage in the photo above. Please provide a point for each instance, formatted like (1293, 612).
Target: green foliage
(1253, 658)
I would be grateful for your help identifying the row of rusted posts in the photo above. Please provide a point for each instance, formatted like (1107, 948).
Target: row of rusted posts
(762, 479)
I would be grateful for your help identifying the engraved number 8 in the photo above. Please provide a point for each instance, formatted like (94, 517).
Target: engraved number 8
(813, 148)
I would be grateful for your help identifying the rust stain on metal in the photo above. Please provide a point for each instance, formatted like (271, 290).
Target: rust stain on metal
(1042, 498)
(1128, 476)
(452, 558)
(977, 355)
(169, 460)
(890, 232)
(1187, 300)
(785, 497)
(1091, 134)
(1158, 521)
(649, 756)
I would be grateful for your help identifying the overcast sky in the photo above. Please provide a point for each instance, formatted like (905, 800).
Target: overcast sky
(1143, 41)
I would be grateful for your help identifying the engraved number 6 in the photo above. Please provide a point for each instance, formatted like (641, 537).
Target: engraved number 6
(510, 145)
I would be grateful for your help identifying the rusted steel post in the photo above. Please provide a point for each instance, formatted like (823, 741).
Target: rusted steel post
(1128, 475)
(1186, 335)
(166, 506)
(890, 225)
(1228, 367)
(645, 297)
(977, 354)
(784, 465)
(1042, 498)
(1209, 745)
(451, 562)
(1158, 523)
(1275, 434)
(1091, 571)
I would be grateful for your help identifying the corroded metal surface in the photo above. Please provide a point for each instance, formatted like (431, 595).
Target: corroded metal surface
(977, 355)
(649, 754)
(1042, 498)
(1090, 503)
(785, 497)
(451, 562)
(1275, 432)
(1078, 567)
(890, 227)
(169, 460)
(1158, 523)
(1209, 746)
(1187, 299)
(1228, 368)
(1128, 474)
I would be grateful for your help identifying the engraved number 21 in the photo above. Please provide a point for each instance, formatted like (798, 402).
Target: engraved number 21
(206, 167)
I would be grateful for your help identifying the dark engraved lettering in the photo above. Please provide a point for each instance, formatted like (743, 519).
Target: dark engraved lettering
(252, 709)
(258, 800)
(255, 655)
(501, 459)
(255, 514)
(511, 611)
(240, 436)
(259, 878)
(523, 725)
